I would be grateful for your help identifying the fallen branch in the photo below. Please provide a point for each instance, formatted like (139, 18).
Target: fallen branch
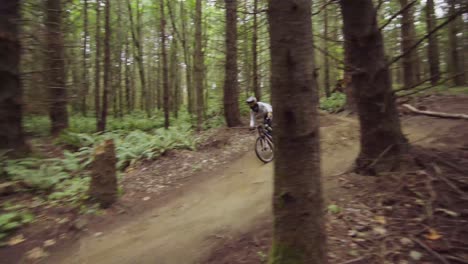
(435, 114)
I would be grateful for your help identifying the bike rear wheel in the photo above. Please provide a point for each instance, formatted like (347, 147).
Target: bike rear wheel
(264, 149)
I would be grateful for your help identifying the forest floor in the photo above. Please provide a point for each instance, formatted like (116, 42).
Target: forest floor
(213, 205)
(417, 216)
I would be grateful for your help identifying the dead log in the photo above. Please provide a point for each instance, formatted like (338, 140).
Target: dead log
(103, 187)
(435, 114)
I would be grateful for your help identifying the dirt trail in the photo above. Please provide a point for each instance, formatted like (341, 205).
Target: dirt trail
(231, 200)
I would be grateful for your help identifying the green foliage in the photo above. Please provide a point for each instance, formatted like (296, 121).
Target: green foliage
(134, 146)
(334, 209)
(37, 125)
(9, 221)
(333, 103)
(139, 145)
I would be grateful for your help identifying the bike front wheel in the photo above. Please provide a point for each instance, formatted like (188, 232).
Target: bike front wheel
(264, 149)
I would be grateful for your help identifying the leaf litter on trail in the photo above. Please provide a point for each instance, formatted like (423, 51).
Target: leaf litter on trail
(16, 240)
(433, 234)
(36, 253)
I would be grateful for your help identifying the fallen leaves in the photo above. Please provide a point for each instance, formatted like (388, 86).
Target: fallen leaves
(380, 219)
(433, 234)
(36, 253)
(16, 240)
(416, 255)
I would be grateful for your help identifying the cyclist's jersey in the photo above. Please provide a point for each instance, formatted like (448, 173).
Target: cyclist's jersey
(263, 110)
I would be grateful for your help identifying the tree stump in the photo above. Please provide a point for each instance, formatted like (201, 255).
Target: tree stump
(103, 187)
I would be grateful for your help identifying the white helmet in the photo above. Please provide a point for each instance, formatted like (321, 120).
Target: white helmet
(251, 100)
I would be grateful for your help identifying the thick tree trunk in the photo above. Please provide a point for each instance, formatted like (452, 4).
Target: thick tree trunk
(199, 64)
(165, 68)
(410, 62)
(325, 48)
(136, 36)
(433, 45)
(231, 85)
(56, 79)
(188, 65)
(85, 81)
(255, 77)
(299, 232)
(97, 66)
(174, 78)
(247, 81)
(11, 92)
(128, 97)
(455, 64)
(381, 135)
(101, 125)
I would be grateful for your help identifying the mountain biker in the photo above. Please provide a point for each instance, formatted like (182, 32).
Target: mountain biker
(260, 109)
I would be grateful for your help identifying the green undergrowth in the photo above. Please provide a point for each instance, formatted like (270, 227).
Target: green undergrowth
(12, 218)
(333, 103)
(65, 180)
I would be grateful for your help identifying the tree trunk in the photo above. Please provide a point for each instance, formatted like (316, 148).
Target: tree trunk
(455, 64)
(97, 77)
(231, 85)
(56, 68)
(139, 54)
(128, 97)
(85, 81)
(433, 45)
(174, 78)
(101, 125)
(256, 81)
(299, 231)
(382, 140)
(410, 61)
(165, 68)
(198, 62)
(188, 65)
(11, 91)
(103, 186)
(325, 48)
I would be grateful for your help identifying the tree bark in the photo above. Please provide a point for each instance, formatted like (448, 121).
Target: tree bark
(11, 90)
(174, 78)
(103, 186)
(433, 45)
(97, 66)
(199, 64)
(231, 85)
(188, 64)
(299, 232)
(455, 64)
(165, 68)
(136, 36)
(101, 125)
(85, 81)
(378, 115)
(255, 77)
(128, 97)
(56, 79)
(410, 61)
(326, 63)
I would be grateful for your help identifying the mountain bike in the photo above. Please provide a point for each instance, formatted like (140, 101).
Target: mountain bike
(264, 144)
